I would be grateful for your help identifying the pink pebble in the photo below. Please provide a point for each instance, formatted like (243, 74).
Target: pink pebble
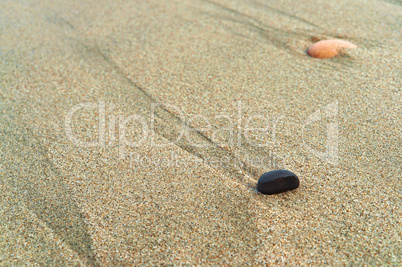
(329, 48)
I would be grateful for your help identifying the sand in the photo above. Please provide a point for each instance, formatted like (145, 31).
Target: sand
(127, 133)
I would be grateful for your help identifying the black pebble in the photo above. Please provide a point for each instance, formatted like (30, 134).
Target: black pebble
(278, 181)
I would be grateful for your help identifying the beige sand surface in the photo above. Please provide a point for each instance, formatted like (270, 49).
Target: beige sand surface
(77, 70)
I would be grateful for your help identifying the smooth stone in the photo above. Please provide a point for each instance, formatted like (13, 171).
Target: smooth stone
(278, 181)
(329, 48)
